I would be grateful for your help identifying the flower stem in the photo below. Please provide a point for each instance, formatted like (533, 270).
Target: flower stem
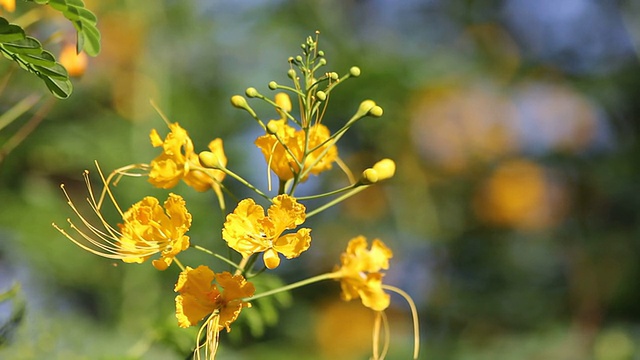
(244, 182)
(336, 200)
(205, 250)
(333, 192)
(311, 280)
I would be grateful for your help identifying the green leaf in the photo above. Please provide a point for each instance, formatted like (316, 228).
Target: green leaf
(82, 19)
(45, 59)
(10, 32)
(28, 53)
(90, 40)
(28, 45)
(60, 89)
(56, 71)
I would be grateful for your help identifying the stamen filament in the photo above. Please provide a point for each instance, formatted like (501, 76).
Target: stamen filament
(414, 316)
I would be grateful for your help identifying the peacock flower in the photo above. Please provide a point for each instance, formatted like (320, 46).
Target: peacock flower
(179, 160)
(200, 296)
(219, 296)
(148, 228)
(360, 275)
(248, 231)
(286, 149)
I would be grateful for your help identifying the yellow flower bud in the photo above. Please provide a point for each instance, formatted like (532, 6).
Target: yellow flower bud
(272, 127)
(251, 92)
(369, 176)
(321, 95)
(239, 101)
(209, 159)
(283, 100)
(273, 85)
(354, 71)
(376, 111)
(365, 107)
(385, 168)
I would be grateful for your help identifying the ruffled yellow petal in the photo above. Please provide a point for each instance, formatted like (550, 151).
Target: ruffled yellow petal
(286, 213)
(197, 296)
(200, 296)
(165, 172)
(248, 231)
(372, 294)
(292, 245)
(242, 230)
(155, 138)
(359, 272)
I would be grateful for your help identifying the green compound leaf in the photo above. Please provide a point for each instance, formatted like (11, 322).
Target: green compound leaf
(27, 52)
(82, 19)
(10, 32)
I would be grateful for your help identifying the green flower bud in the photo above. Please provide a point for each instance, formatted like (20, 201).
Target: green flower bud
(334, 75)
(291, 74)
(299, 59)
(239, 101)
(251, 92)
(320, 53)
(354, 71)
(369, 176)
(273, 85)
(322, 62)
(321, 95)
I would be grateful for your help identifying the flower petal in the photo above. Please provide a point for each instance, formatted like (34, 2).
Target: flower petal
(292, 245)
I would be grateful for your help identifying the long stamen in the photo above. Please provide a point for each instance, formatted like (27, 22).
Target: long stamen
(414, 316)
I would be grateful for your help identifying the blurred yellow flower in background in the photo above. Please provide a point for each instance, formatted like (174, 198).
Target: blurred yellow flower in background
(519, 194)
(9, 5)
(360, 275)
(179, 160)
(200, 296)
(74, 62)
(248, 231)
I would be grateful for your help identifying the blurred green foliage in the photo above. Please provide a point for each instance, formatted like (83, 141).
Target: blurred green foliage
(513, 215)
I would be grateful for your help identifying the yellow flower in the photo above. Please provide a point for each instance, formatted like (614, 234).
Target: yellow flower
(248, 231)
(360, 275)
(147, 229)
(285, 164)
(200, 296)
(180, 161)
(74, 62)
(9, 5)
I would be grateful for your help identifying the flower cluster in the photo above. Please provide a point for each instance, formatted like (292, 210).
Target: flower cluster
(294, 148)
